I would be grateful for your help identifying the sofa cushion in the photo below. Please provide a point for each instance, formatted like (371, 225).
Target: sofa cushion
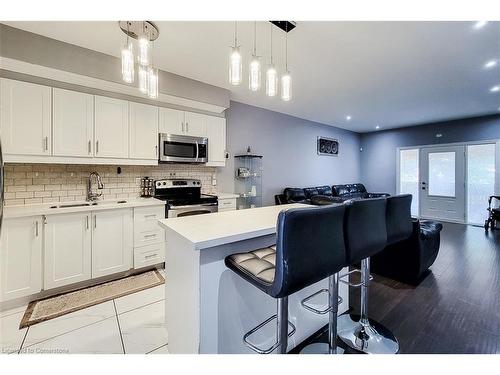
(324, 190)
(340, 190)
(294, 195)
(310, 192)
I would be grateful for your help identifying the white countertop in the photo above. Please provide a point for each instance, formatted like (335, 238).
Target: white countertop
(219, 228)
(226, 195)
(44, 209)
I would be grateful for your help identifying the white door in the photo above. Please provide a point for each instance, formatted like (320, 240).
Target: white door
(111, 128)
(442, 183)
(67, 249)
(196, 124)
(216, 133)
(73, 123)
(20, 257)
(143, 131)
(112, 242)
(25, 118)
(171, 121)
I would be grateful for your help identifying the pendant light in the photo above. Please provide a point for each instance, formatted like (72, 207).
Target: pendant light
(128, 60)
(143, 55)
(254, 71)
(152, 78)
(271, 74)
(142, 76)
(286, 78)
(235, 62)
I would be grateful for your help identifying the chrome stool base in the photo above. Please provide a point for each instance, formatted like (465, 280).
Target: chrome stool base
(320, 348)
(371, 338)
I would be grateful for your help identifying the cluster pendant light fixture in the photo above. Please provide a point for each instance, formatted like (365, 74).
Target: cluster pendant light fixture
(145, 32)
(255, 67)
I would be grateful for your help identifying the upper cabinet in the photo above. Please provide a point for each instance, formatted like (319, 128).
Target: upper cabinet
(171, 121)
(195, 124)
(111, 128)
(25, 113)
(216, 133)
(73, 123)
(143, 131)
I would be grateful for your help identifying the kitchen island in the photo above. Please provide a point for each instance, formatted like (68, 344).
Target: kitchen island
(208, 308)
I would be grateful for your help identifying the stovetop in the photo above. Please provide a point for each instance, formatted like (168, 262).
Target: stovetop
(182, 192)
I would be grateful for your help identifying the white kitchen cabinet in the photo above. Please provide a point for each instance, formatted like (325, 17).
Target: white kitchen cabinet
(67, 249)
(216, 133)
(143, 131)
(112, 241)
(25, 114)
(195, 124)
(111, 128)
(149, 236)
(20, 257)
(73, 123)
(171, 121)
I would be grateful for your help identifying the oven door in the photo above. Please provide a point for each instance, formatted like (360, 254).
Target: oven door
(190, 210)
(182, 149)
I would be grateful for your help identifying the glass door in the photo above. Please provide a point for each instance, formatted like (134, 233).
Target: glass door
(442, 184)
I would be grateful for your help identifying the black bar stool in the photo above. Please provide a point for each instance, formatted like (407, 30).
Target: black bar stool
(365, 234)
(304, 255)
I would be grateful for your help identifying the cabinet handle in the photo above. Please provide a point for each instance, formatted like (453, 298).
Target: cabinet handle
(187, 127)
(150, 215)
(95, 221)
(96, 147)
(46, 143)
(90, 146)
(87, 222)
(36, 228)
(149, 235)
(182, 123)
(156, 151)
(150, 256)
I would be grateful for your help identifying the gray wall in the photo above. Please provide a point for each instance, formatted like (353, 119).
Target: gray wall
(37, 49)
(288, 145)
(378, 158)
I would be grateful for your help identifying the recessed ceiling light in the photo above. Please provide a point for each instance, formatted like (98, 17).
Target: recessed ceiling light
(348, 118)
(377, 127)
(491, 64)
(480, 24)
(495, 88)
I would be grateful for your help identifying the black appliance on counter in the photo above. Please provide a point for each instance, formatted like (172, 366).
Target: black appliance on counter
(183, 197)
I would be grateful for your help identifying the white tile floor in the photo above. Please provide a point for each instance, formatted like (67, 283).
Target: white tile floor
(130, 324)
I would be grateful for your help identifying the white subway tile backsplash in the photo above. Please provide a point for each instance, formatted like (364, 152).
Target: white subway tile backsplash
(47, 183)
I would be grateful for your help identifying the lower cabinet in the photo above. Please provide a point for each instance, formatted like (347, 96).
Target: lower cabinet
(68, 250)
(112, 241)
(20, 257)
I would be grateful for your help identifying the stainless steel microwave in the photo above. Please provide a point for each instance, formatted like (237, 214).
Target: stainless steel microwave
(182, 149)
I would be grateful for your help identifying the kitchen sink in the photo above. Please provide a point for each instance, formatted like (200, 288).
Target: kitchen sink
(86, 204)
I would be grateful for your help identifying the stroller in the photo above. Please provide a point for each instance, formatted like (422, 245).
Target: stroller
(493, 213)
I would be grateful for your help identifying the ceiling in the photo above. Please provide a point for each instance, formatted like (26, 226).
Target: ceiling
(386, 74)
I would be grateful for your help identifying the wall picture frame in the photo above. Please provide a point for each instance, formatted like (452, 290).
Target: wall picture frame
(327, 146)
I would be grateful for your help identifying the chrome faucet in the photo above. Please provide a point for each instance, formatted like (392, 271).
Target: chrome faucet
(90, 195)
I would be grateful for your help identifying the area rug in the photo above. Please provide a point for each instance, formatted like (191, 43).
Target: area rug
(62, 304)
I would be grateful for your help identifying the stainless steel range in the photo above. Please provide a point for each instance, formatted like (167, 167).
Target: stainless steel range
(184, 198)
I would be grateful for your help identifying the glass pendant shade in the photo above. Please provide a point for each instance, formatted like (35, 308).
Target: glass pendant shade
(143, 79)
(153, 83)
(254, 74)
(143, 54)
(128, 63)
(235, 67)
(271, 81)
(286, 87)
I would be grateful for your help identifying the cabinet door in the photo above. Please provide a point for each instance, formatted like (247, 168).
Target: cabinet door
(196, 124)
(216, 133)
(21, 257)
(25, 118)
(171, 121)
(111, 128)
(73, 123)
(67, 249)
(112, 242)
(143, 131)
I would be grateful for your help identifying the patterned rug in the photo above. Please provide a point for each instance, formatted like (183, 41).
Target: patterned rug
(53, 307)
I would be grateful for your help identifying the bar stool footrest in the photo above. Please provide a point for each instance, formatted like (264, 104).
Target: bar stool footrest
(258, 327)
(350, 273)
(316, 311)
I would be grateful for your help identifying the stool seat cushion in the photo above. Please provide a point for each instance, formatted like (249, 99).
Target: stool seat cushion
(256, 266)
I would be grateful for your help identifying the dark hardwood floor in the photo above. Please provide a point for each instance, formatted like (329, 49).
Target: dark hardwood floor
(455, 308)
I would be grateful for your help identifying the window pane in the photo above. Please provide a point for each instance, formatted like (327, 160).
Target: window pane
(408, 176)
(442, 174)
(480, 181)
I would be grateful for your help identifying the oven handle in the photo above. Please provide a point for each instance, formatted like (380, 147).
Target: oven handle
(193, 206)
